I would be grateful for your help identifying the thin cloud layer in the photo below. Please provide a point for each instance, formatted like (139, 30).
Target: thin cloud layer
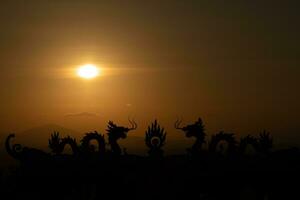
(82, 114)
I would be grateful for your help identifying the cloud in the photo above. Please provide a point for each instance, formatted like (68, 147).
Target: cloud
(82, 114)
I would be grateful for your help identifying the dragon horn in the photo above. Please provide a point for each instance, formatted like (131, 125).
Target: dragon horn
(133, 124)
(177, 124)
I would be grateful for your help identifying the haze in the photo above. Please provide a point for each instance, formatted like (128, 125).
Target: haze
(236, 65)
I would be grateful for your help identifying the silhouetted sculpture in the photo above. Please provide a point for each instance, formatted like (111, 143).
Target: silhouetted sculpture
(221, 136)
(265, 143)
(172, 176)
(86, 146)
(248, 140)
(115, 133)
(155, 138)
(54, 143)
(57, 144)
(24, 154)
(195, 130)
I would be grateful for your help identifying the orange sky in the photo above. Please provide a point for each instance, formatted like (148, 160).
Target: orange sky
(235, 65)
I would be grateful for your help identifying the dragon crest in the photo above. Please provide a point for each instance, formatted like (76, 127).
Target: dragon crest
(116, 132)
(57, 144)
(222, 136)
(195, 130)
(88, 148)
(155, 138)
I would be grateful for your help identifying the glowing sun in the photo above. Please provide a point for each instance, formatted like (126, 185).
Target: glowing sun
(88, 71)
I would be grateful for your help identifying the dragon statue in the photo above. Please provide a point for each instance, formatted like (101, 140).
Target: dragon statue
(265, 143)
(155, 139)
(57, 144)
(195, 130)
(87, 148)
(24, 154)
(221, 136)
(262, 144)
(115, 133)
(248, 140)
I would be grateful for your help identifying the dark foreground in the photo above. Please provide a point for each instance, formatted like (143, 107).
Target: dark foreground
(202, 173)
(173, 177)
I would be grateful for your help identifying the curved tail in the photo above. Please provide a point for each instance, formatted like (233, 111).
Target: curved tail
(13, 150)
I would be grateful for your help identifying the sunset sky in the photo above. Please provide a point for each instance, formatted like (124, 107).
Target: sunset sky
(235, 64)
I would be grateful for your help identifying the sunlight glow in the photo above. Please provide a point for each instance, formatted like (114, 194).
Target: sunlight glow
(88, 71)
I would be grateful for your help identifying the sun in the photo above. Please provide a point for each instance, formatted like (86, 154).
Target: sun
(88, 71)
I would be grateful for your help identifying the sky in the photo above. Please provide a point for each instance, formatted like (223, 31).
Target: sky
(233, 63)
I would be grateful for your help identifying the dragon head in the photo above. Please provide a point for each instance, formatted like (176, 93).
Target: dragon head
(193, 130)
(116, 132)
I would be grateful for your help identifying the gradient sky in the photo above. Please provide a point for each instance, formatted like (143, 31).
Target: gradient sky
(235, 64)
